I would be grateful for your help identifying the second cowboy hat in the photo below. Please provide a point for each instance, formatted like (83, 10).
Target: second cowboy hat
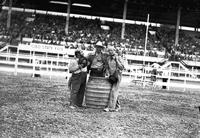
(99, 44)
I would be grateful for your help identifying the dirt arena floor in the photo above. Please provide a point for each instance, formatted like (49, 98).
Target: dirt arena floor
(38, 107)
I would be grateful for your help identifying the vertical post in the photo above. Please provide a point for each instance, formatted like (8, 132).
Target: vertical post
(145, 46)
(63, 57)
(16, 61)
(30, 56)
(57, 59)
(47, 63)
(185, 82)
(51, 68)
(7, 56)
(136, 74)
(67, 18)
(169, 77)
(33, 63)
(177, 26)
(68, 74)
(124, 19)
(146, 39)
(9, 14)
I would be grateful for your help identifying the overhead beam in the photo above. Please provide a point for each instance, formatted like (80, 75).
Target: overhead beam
(177, 26)
(9, 14)
(67, 18)
(124, 19)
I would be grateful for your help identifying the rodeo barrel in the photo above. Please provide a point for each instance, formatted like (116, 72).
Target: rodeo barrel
(97, 92)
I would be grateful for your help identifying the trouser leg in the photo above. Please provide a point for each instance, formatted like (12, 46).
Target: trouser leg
(113, 96)
(117, 103)
(81, 91)
(70, 83)
(75, 86)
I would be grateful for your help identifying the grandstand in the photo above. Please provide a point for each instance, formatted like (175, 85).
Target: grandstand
(43, 23)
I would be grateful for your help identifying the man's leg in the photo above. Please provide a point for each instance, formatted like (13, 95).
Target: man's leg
(75, 85)
(81, 92)
(70, 83)
(117, 103)
(113, 97)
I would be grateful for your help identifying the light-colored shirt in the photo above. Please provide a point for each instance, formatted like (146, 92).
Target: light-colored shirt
(113, 65)
(84, 69)
(73, 66)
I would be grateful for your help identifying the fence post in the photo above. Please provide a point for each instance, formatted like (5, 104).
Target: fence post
(51, 68)
(136, 74)
(8, 55)
(185, 82)
(57, 59)
(30, 56)
(47, 62)
(16, 62)
(33, 59)
(169, 77)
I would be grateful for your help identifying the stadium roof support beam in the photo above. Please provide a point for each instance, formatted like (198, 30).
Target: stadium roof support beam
(67, 18)
(124, 19)
(177, 26)
(9, 14)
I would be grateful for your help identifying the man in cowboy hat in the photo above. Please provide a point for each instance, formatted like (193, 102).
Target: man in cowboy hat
(97, 61)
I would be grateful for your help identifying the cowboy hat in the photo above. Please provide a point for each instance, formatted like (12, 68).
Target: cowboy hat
(99, 44)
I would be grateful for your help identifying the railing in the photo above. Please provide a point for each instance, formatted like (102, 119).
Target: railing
(58, 66)
(174, 79)
(37, 64)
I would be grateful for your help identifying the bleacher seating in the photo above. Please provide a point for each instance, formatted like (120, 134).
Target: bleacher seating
(50, 29)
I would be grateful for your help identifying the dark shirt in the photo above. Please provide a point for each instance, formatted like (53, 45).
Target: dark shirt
(98, 72)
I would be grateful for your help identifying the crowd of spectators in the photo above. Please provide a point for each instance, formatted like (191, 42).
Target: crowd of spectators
(51, 29)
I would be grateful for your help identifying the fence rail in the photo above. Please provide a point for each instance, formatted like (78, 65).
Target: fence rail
(36, 64)
(58, 66)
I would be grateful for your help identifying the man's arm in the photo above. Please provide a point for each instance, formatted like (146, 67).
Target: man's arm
(73, 66)
(83, 63)
(120, 63)
(89, 61)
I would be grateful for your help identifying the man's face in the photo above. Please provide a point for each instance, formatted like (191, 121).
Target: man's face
(111, 52)
(82, 54)
(78, 55)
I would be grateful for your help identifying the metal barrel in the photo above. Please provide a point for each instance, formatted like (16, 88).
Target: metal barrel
(97, 92)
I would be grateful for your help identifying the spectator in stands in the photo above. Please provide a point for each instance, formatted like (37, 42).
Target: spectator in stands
(97, 62)
(77, 85)
(115, 67)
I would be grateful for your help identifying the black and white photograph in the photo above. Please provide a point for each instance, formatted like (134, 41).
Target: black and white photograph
(99, 68)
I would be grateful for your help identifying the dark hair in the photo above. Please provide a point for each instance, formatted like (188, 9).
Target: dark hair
(77, 52)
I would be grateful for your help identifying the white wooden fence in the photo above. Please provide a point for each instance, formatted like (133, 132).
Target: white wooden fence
(17, 62)
(34, 64)
(176, 78)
